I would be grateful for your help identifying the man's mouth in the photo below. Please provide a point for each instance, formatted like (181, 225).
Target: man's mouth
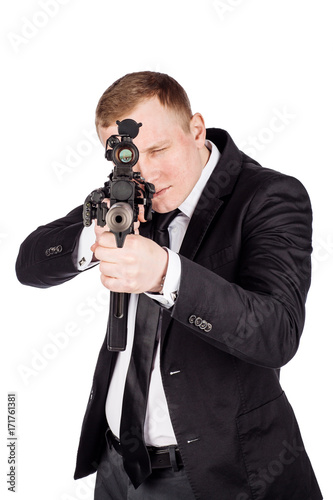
(161, 192)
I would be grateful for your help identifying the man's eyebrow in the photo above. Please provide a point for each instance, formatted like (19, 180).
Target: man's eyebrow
(154, 147)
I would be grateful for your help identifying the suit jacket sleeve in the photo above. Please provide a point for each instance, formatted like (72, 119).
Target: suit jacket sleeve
(46, 257)
(258, 318)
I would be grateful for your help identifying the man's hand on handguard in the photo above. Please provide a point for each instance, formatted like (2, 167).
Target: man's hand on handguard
(137, 267)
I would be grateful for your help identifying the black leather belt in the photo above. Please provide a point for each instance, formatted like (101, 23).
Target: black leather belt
(160, 457)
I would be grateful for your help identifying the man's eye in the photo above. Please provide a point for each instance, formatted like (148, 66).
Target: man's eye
(157, 151)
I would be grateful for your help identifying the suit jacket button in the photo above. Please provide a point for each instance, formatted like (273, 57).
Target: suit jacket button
(192, 319)
(53, 250)
(203, 325)
(208, 327)
(198, 321)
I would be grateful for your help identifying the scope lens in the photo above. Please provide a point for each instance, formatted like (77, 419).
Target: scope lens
(125, 155)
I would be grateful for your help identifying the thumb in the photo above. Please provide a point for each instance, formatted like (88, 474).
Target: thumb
(141, 216)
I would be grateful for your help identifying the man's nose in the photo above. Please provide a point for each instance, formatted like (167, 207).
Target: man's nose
(149, 172)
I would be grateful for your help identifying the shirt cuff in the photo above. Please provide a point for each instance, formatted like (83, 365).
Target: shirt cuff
(171, 283)
(84, 254)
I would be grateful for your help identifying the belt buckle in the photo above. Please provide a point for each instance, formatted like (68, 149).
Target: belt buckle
(173, 458)
(169, 454)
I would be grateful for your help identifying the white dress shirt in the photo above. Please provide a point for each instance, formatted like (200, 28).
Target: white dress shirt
(158, 429)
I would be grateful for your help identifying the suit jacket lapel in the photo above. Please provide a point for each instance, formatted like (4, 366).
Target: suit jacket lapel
(199, 223)
(218, 187)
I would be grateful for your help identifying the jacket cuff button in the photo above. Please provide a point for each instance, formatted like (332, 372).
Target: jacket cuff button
(198, 321)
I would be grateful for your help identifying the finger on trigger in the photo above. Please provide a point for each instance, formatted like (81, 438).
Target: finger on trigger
(107, 201)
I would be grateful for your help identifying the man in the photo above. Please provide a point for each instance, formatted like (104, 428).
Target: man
(228, 292)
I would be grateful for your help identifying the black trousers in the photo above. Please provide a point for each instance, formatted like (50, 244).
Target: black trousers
(112, 482)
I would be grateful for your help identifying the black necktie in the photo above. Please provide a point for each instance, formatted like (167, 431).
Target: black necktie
(134, 451)
(160, 227)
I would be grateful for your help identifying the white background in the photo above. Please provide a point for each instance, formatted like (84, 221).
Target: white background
(242, 63)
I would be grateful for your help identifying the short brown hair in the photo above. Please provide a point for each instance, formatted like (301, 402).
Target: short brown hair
(130, 90)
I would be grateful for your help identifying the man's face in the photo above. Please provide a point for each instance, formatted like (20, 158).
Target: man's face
(170, 158)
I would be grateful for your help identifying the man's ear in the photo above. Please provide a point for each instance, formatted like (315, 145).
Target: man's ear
(198, 129)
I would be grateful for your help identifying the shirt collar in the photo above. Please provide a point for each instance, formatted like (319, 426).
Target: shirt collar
(188, 205)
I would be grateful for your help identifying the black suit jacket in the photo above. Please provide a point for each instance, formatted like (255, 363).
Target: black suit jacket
(238, 318)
